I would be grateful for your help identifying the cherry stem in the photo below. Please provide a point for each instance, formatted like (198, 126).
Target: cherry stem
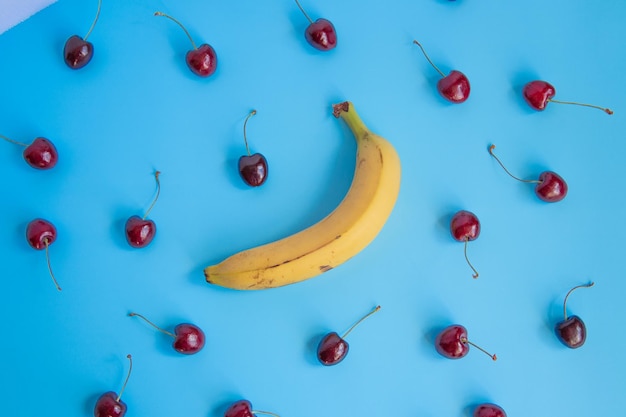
(49, 266)
(264, 412)
(130, 368)
(428, 58)
(464, 340)
(93, 24)
(604, 109)
(359, 322)
(589, 285)
(156, 197)
(13, 141)
(475, 274)
(245, 138)
(303, 12)
(179, 24)
(152, 324)
(491, 148)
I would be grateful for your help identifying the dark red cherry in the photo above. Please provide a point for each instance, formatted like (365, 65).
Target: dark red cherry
(202, 60)
(110, 404)
(77, 51)
(550, 186)
(539, 93)
(188, 338)
(332, 348)
(40, 154)
(243, 408)
(320, 34)
(454, 87)
(452, 343)
(40, 234)
(464, 227)
(252, 167)
(571, 331)
(139, 230)
(488, 410)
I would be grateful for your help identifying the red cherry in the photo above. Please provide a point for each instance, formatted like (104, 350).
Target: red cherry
(332, 349)
(488, 410)
(454, 87)
(139, 230)
(188, 338)
(539, 93)
(110, 404)
(243, 408)
(551, 187)
(252, 167)
(77, 51)
(41, 234)
(452, 343)
(202, 60)
(464, 227)
(572, 331)
(320, 34)
(40, 154)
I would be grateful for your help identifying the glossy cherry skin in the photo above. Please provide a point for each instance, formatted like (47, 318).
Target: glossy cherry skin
(551, 188)
(38, 231)
(189, 339)
(538, 93)
(139, 232)
(321, 35)
(332, 349)
(253, 169)
(202, 61)
(450, 342)
(464, 226)
(77, 52)
(571, 332)
(454, 87)
(41, 154)
(241, 408)
(488, 410)
(108, 406)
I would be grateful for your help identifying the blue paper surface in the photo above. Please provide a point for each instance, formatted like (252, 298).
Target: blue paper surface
(136, 108)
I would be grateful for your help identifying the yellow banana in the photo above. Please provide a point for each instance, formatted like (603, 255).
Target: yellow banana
(346, 231)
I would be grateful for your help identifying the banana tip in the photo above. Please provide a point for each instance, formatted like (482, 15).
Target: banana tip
(340, 108)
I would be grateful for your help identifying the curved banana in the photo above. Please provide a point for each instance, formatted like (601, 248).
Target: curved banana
(355, 222)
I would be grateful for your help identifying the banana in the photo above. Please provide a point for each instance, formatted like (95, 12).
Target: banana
(351, 226)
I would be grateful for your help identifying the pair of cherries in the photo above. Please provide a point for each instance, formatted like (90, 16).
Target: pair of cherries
(455, 87)
(110, 404)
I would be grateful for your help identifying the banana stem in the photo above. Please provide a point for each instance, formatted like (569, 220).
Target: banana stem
(347, 112)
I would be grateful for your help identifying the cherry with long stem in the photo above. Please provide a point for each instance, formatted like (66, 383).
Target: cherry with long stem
(188, 338)
(40, 154)
(321, 33)
(78, 51)
(252, 167)
(201, 60)
(454, 87)
(550, 187)
(140, 230)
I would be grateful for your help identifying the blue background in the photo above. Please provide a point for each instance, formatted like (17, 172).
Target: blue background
(137, 108)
